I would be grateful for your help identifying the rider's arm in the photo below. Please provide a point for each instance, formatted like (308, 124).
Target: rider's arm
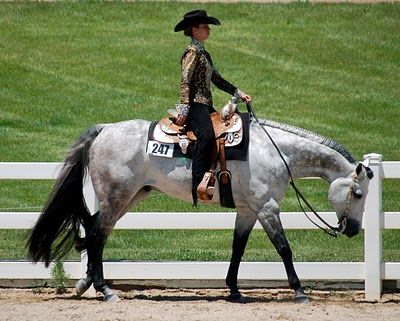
(226, 86)
(221, 83)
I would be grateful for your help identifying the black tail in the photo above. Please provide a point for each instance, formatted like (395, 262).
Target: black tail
(55, 232)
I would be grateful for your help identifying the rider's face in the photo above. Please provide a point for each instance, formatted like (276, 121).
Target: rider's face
(201, 32)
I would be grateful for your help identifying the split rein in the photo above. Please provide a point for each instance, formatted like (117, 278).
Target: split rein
(329, 229)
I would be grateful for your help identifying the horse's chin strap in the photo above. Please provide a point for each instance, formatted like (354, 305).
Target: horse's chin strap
(330, 230)
(342, 224)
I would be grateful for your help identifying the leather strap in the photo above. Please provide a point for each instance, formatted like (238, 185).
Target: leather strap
(222, 161)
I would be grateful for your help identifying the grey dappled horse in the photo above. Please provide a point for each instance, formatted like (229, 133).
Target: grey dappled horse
(123, 173)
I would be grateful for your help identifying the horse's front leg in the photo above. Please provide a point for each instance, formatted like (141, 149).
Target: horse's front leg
(271, 222)
(243, 226)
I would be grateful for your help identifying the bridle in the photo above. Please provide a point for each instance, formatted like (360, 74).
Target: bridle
(350, 197)
(342, 223)
(329, 229)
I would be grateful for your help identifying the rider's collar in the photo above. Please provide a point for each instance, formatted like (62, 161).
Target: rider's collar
(198, 45)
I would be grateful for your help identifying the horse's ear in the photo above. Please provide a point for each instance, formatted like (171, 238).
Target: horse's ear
(358, 169)
(370, 173)
(366, 162)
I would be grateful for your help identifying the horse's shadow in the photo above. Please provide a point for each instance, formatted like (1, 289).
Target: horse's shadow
(182, 298)
(197, 298)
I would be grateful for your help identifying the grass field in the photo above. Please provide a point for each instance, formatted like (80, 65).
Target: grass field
(333, 69)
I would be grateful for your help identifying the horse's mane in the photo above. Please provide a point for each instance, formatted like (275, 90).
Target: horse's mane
(311, 136)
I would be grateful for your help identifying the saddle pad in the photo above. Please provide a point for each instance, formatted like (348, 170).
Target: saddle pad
(238, 152)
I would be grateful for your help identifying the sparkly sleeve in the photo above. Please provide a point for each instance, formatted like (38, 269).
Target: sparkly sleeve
(221, 83)
(189, 61)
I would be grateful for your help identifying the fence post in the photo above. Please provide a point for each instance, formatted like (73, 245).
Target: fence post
(373, 231)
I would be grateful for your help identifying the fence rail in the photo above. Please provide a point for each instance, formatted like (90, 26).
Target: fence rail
(373, 271)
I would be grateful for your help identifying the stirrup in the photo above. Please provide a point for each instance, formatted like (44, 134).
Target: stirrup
(210, 191)
(205, 190)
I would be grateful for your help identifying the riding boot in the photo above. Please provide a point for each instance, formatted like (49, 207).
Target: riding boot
(200, 122)
(196, 179)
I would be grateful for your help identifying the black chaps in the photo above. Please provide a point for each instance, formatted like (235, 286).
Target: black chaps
(199, 122)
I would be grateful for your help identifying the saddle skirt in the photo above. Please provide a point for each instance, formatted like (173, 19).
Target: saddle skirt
(166, 131)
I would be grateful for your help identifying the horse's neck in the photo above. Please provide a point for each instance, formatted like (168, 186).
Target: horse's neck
(308, 154)
(311, 159)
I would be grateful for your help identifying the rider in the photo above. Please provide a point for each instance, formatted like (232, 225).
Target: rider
(195, 99)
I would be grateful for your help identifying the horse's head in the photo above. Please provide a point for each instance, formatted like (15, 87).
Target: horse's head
(347, 195)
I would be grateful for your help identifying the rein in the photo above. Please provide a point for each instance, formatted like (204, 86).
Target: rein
(330, 230)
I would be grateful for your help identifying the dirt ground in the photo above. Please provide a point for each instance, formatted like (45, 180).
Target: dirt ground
(191, 305)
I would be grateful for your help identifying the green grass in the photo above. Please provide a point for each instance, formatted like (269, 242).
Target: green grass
(64, 66)
(196, 245)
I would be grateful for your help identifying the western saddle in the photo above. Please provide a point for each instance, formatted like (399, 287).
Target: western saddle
(228, 131)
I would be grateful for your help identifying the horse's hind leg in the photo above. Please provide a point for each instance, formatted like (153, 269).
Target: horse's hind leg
(84, 284)
(244, 224)
(270, 221)
(94, 242)
(97, 233)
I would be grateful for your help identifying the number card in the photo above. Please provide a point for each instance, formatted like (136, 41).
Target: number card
(160, 149)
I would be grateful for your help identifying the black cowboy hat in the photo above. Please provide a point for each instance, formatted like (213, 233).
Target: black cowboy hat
(194, 18)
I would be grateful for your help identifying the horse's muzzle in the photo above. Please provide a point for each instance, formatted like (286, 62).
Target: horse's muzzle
(352, 228)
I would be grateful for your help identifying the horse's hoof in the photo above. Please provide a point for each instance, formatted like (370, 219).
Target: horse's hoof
(112, 297)
(237, 298)
(301, 298)
(81, 287)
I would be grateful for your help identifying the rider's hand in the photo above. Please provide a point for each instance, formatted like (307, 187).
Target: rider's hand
(242, 96)
(180, 120)
(246, 98)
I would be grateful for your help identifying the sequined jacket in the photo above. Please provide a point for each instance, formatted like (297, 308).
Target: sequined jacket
(197, 74)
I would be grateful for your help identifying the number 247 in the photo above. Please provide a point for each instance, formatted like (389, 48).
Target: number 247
(160, 149)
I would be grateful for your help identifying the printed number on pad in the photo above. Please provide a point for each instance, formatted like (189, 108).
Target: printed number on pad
(160, 149)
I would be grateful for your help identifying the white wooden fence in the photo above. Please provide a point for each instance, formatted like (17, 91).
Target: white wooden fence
(372, 270)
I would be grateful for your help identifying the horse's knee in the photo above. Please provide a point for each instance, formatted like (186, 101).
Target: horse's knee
(271, 207)
(268, 217)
